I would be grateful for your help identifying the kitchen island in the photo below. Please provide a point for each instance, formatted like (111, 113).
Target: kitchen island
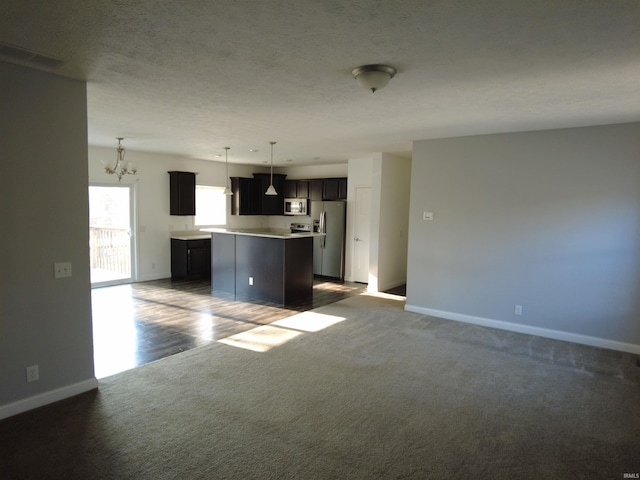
(270, 265)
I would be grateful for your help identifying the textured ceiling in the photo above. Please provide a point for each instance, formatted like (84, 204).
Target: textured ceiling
(190, 77)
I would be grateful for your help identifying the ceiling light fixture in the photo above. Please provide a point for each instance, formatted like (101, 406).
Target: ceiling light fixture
(271, 190)
(227, 189)
(373, 77)
(125, 167)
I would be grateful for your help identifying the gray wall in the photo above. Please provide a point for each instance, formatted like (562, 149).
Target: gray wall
(549, 220)
(44, 206)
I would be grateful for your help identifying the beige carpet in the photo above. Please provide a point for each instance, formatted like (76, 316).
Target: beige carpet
(374, 392)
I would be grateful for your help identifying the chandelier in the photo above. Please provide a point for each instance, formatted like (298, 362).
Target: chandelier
(120, 168)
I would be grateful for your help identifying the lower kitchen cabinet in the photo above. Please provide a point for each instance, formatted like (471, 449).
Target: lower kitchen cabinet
(273, 269)
(190, 259)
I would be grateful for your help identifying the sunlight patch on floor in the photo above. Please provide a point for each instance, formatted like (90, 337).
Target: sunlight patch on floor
(264, 338)
(261, 339)
(308, 321)
(114, 329)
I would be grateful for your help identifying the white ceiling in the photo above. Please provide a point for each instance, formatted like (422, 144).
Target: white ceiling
(190, 77)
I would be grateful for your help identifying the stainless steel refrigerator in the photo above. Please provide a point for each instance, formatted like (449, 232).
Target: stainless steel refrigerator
(328, 251)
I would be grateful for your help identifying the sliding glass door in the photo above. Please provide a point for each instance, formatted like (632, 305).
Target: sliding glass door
(111, 241)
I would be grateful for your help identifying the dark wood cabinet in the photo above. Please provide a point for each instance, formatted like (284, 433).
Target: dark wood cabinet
(190, 258)
(249, 195)
(342, 189)
(291, 189)
(315, 189)
(303, 189)
(249, 198)
(296, 189)
(182, 193)
(270, 204)
(275, 270)
(244, 200)
(330, 189)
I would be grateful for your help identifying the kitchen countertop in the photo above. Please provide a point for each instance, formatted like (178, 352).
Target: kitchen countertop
(190, 236)
(263, 232)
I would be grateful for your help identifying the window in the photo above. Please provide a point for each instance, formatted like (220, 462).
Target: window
(211, 206)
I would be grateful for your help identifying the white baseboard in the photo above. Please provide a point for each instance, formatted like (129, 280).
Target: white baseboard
(527, 329)
(46, 398)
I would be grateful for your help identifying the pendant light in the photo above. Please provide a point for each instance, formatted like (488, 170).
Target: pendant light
(271, 190)
(227, 189)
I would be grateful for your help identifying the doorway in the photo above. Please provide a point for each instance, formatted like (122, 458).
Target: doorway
(111, 240)
(361, 243)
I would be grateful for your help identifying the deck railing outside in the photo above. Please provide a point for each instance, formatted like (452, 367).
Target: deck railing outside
(110, 253)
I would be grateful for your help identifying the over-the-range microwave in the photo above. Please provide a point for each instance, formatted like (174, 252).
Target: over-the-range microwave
(296, 206)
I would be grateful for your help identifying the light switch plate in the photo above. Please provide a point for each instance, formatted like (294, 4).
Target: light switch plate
(62, 269)
(427, 215)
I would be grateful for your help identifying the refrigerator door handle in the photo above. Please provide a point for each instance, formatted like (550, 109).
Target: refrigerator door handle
(323, 228)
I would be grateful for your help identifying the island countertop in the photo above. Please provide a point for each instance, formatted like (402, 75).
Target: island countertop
(263, 232)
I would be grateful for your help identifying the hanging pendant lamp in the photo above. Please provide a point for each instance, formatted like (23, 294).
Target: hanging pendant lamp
(271, 190)
(227, 189)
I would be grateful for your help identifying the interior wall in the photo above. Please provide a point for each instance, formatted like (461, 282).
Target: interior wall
(395, 185)
(45, 321)
(549, 220)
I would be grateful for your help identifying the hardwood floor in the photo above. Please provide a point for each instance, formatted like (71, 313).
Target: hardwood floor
(138, 323)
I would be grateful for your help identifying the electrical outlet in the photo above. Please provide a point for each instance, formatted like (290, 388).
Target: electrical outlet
(517, 310)
(32, 373)
(250, 280)
(62, 269)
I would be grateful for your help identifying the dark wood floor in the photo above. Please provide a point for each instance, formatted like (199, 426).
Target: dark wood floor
(138, 323)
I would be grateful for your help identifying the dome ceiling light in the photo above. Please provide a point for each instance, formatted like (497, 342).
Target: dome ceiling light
(373, 77)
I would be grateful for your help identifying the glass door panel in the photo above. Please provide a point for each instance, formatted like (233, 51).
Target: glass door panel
(110, 234)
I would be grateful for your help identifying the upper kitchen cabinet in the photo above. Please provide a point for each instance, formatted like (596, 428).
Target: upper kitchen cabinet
(245, 196)
(296, 189)
(303, 189)
(249, 198)
(182, 195)
(271, 204)
(315, 190)
(334, 189)
(291, 189)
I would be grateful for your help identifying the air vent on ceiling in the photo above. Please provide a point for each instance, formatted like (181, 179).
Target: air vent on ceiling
(22, 55)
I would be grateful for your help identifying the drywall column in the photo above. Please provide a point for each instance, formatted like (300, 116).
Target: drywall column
(45, 321)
